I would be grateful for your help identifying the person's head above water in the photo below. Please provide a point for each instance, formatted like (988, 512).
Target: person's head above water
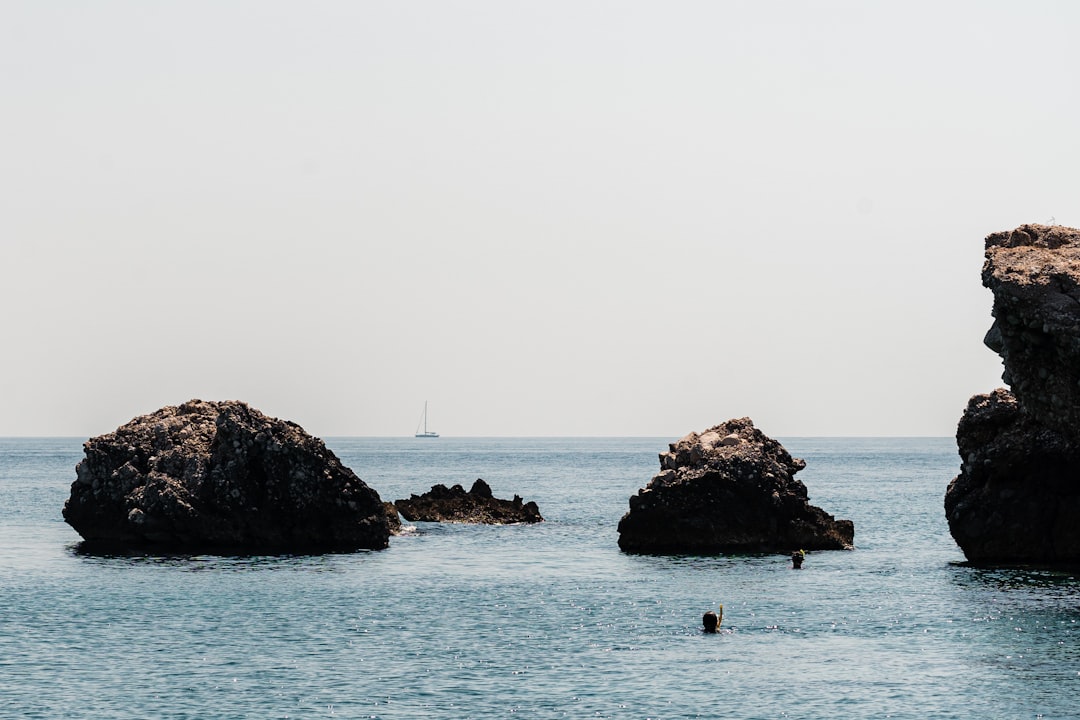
(710, 621)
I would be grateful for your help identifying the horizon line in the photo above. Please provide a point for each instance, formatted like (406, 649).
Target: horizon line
(515, 437)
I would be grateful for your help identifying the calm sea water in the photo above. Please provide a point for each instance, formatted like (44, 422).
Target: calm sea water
(539, 621)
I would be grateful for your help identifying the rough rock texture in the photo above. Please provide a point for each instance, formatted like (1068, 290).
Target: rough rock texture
(393, 518)
(729, 489)
(209, 476)
(442, 504)
(1017, 498)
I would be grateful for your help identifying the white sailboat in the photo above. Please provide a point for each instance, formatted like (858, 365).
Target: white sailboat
(423, 422)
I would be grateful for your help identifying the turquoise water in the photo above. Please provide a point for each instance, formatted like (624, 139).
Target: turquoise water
(539, 621)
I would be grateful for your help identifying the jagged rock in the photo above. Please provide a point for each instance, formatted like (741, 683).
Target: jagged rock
(728, 489)
(393, 518)
(1034, 273)
(1017, 497)
(478, 505)
(220, 476)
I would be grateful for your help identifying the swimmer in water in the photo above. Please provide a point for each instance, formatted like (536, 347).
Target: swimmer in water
(710, 621)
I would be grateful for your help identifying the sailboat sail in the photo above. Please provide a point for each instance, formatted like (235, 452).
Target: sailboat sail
(423, 423)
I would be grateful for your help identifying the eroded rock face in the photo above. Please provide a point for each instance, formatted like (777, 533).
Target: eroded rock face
(393, 518)
(478, 505)
(1017, 498)
(220, 476)
(1034, 273)
(729, 489)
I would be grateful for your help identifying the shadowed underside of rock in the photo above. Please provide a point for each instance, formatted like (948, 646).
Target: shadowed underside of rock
(478, 506)
(728, 489)
(1017, 497)
(220, 476)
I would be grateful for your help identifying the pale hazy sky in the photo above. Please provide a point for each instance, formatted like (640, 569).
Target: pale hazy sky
(546, 218)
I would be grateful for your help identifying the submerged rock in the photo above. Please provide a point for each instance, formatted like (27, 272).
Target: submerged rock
(478, 505)
(209, 476)
(1017, 497)
(729, 489)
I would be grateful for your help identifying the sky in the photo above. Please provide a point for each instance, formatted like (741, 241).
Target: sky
(598, 218)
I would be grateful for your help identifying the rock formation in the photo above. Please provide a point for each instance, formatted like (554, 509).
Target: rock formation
(728, 489)
(220, 476)
(443, 504)
(1017, 498)
(393, 518)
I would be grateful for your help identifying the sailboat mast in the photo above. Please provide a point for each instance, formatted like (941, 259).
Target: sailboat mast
(423, 424)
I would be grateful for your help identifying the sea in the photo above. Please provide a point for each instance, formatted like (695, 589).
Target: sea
(536, 621)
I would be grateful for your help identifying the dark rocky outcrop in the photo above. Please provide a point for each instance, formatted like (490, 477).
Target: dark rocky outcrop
(729, 489)
(220, 476)
(393, 518)
(478, 505)
(1017, 497)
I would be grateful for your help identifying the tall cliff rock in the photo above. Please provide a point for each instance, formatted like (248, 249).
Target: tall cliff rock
(1017, 498)
(220, 476)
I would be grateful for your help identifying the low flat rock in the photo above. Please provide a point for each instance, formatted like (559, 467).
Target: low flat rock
(728, 489)
(220, 476)
(477, 506)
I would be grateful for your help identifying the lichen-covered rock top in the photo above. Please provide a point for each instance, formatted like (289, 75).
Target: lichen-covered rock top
(1017, 497)
(1034, 274)
(207, 476)
(731, 446)
(477, 506)
(730, 488)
